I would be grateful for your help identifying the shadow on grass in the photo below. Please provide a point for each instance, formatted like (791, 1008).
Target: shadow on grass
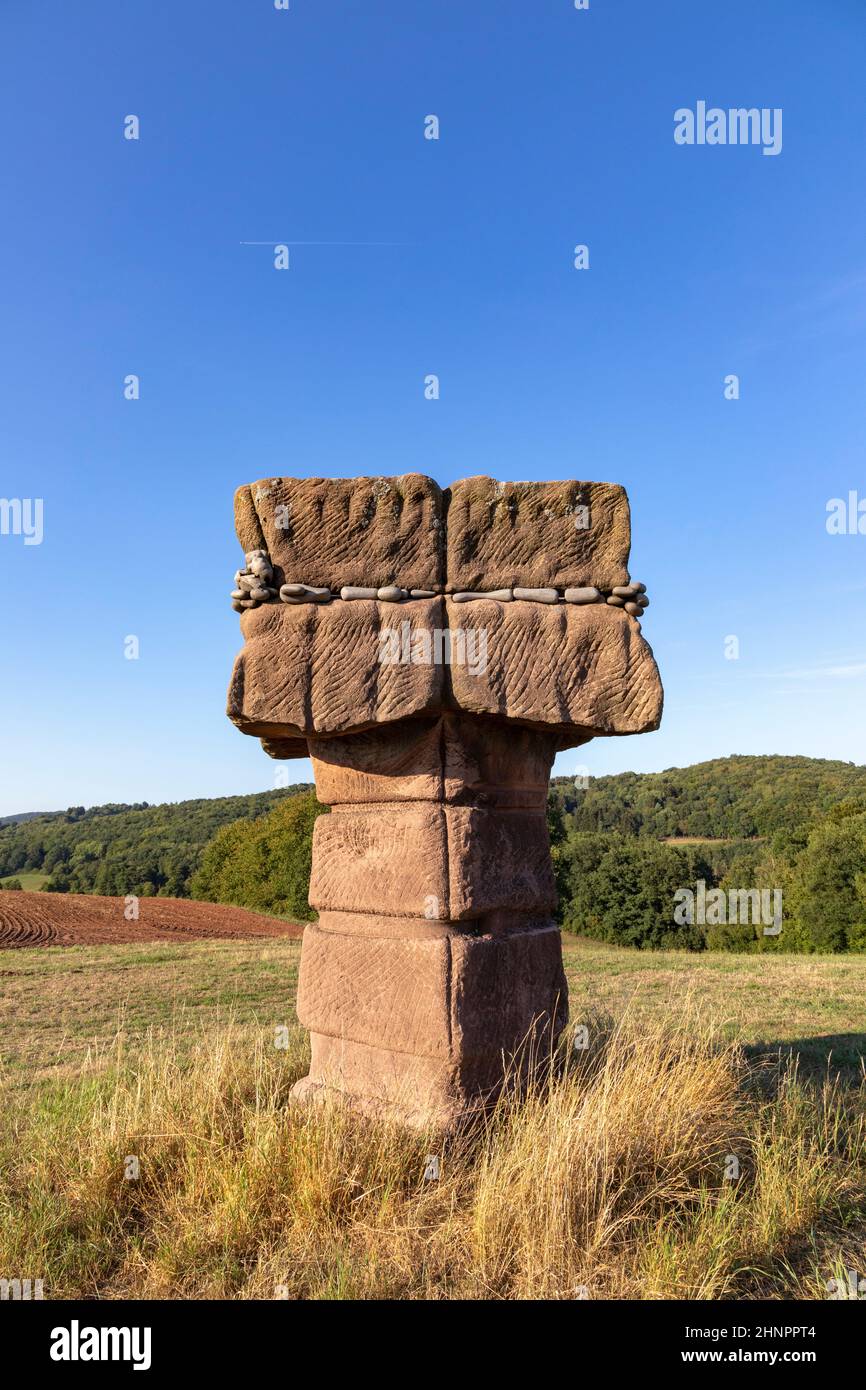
(833, 1055)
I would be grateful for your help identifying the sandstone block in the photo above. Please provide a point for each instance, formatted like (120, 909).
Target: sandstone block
(387, 991)
(443, 758)
(498, 859)
(423, 1026)
(397, 762)
(316, 669)
(382, 859)
(536, 535)
(441, 863)
(581, 670)
(359, 532)
(411, 994)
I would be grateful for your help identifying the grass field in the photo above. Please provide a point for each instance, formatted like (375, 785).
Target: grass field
(815, 1005)
(611, 1177)
(31, 880)
(58, 1005)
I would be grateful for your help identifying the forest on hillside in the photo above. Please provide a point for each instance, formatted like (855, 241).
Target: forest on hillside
(729, 798)
(774, 847)
(120, 849)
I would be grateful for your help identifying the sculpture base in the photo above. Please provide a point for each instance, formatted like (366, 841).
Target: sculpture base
(430, 1026)
(435, 970)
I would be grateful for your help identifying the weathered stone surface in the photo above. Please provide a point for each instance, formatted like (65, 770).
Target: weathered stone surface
(581, 670)
(536, 535)
(316, 668)
(347, 531)
(467, 762)
(420, 1026)
(398, 762)
(498, 859)
(439, 862)
(382, 859)
(363, 982)
(386, 990)
(489, 763)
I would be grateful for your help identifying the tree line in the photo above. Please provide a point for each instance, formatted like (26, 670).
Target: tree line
(120, 849)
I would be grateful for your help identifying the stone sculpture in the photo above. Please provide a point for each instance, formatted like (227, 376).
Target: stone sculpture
(431, 651)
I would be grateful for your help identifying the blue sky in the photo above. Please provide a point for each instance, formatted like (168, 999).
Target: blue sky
(411, 256)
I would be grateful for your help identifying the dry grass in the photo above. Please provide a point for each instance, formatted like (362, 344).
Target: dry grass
(611, 1179)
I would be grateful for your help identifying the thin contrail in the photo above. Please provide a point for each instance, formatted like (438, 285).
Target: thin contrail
(278, 242)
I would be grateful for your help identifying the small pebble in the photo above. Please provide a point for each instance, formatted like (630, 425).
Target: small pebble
(239, 593)
(248, 603)
(641, 588)
(643, 600)
(237, 606)
(468, 595)
(390, 593)
(422, 593)
(624, 590)
(587, 594)
(304, 593)
(616, 602)
(633, 609)
(537, 595)
(350, 591)
(260, 595)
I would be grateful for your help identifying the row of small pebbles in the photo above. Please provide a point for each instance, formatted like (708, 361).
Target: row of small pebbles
(389, 593)
(631, 597)
(254, 585)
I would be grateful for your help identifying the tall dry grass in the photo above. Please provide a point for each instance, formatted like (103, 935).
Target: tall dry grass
(654, 1164)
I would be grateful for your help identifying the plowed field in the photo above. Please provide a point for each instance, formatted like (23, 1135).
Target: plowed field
(78, 919)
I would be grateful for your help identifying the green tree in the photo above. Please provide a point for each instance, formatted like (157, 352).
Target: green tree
(622, 890)
(265, 863)
(829, 881)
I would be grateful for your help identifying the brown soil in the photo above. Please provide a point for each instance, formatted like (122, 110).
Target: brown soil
(79, 919)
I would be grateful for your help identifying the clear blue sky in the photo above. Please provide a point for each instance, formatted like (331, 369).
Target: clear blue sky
(415, 256)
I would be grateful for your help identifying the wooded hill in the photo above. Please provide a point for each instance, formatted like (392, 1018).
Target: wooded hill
(120, 849)
(728, 798)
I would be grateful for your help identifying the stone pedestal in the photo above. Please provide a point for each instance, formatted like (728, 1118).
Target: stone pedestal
(435, 959)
